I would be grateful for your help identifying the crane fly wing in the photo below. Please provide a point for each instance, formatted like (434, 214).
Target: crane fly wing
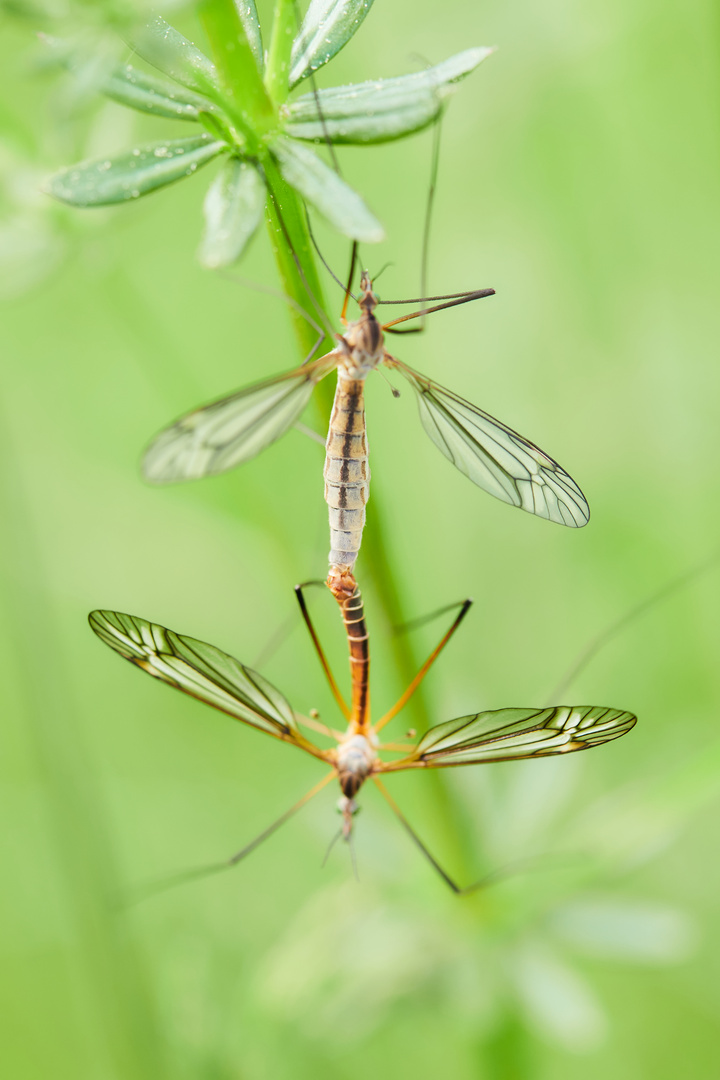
(493, 456)
(509, 734)
(200, 670)
(234, 429)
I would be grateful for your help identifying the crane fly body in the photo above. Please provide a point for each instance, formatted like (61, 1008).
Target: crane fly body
(234, 429)
(358, 755)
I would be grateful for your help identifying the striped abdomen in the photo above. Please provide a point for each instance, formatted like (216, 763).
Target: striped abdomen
(353, 614)
(346, 472)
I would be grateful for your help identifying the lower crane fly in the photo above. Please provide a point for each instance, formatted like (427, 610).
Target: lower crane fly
(210, 675)
(234, 429)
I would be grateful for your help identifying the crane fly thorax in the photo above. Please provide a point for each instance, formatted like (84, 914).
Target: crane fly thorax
(362, 347)
(355, 758)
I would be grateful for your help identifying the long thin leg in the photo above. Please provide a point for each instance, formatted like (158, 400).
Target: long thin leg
(353, 259)
(320, 255)
(425, 249)
(162, 884)
(478, 294)
(255, 286)
(309, 433)
(324, 729)
(314, 349)
(321, 655)
(418, 842)
(328, 142)
(403, 700)
(278, 637)
(424, 299)
(330, 846)
(281, 221)
(521, 866)
(602, 639)
(429, 209)
(353, 857)
(422, 620)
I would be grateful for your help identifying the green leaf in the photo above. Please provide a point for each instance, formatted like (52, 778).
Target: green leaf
(383, 109)
(167, 50)
(128, 85)
(247, 13)
(150, 94)
(327, 27)
(233, 210)
(116, 180)
(322, 187)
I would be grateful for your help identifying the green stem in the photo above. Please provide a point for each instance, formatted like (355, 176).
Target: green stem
(507, 1053)
(292, 247)
(278, 63)
(285, 209)
(252, 109)
(287, 225)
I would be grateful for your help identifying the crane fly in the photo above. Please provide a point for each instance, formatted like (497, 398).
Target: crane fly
(234, 429)
(210, 675)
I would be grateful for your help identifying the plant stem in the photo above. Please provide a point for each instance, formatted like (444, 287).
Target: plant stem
(292, 247)
(376, 557)
(506, 1054)
(253, 110)
(278, 63)
(287, 225)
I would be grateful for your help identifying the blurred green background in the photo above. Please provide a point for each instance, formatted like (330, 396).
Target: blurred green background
(579, 178)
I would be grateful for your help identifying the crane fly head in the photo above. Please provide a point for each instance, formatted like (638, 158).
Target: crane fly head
(367, 301)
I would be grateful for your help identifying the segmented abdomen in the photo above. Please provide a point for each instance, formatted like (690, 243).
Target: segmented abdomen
(346, 472)
(353, 613)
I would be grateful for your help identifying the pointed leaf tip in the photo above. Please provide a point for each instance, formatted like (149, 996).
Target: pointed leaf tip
(248, 15)
(107, 181)
(161, 45)
(326, 191)
(328, 26)
(233, 210)
(381, 109)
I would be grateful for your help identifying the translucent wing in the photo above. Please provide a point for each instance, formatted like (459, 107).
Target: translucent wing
(235, 428)
(493, 456)
(508, 734)
(200, 670)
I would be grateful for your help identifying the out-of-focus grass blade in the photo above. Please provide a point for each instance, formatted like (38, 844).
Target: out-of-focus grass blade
(167, 50)
(233, 210)
(322, 187)
(383, 109)
(119, 1007)
(107, 181)
(328, 26)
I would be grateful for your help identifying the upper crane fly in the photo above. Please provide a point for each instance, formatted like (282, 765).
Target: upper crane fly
(234, 429)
